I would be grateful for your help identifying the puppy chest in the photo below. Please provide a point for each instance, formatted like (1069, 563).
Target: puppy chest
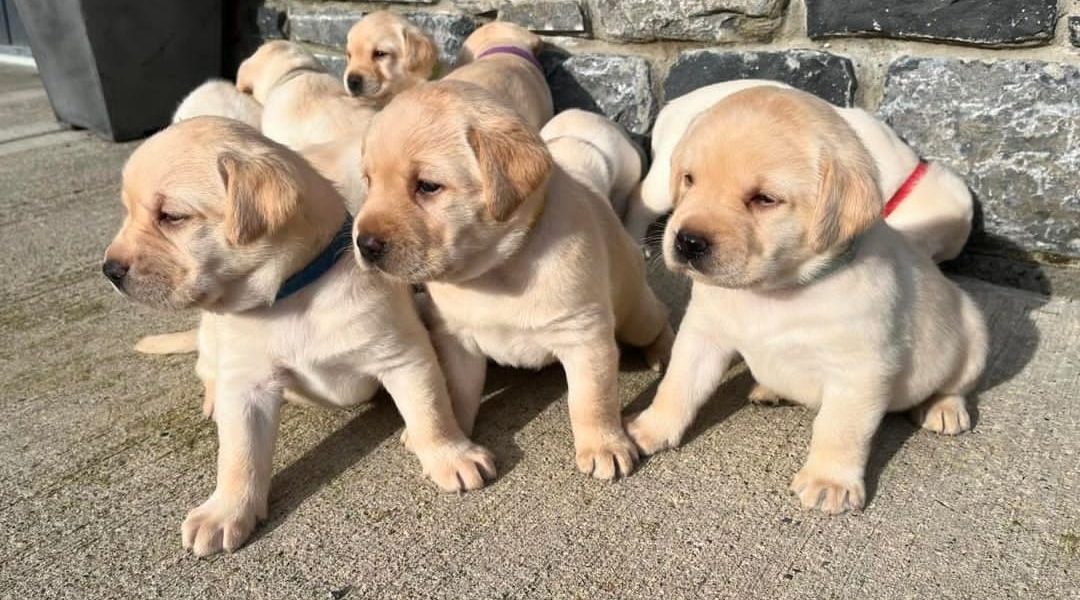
(513, 348)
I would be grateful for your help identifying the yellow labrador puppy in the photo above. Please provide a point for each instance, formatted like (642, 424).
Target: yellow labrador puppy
(523, 263)
(501, 58)
(597, 152)
(219, 98)
(927, 202)
(302, 103)
(386, 55)
(222, 219)
(795, 271)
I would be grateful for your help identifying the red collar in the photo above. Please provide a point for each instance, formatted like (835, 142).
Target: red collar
(905, 189)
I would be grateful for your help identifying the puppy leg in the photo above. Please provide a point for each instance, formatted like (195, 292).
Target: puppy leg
(764, 396)
(697, 367)
(648, 328)
(247, 421)
(465, 372)
(449, 458)
(601, 446)
(942, 413)
(206, 363)
(832, 478)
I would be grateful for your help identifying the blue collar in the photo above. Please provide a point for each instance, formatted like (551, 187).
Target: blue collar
(320, 264)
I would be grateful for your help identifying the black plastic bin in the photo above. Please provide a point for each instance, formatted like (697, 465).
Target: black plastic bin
(119, 67)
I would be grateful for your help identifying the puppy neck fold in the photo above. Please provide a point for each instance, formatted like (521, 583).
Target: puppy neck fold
(519, 52)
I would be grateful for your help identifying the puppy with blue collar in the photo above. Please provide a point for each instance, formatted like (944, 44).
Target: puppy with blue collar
(795, 270)
(222, 219)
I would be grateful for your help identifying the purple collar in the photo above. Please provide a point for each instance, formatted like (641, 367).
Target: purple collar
(519, 52)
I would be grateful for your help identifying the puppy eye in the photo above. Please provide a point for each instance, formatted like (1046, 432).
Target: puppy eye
(379, 54)
(688, 179)
(166, 218)
(763, 201)
(427, 188)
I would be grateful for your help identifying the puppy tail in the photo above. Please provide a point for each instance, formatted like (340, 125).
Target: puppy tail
(178, 342)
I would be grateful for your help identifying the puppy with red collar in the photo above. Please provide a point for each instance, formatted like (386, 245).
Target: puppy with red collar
(795, 271)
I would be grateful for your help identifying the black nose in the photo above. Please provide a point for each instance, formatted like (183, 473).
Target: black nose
(690, 245)
(371, 248)
(115, 271)
(355, 83)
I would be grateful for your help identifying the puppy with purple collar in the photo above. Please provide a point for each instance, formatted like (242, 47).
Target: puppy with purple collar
(222, 219)
(795, 271)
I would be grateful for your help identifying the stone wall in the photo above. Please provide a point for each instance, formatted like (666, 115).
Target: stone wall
(990, 87)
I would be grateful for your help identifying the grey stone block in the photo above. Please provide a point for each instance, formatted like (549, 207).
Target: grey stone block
(827, 75)
(692, 20)
(270, 22)
(329, 26)
(1010, 128)
(553, 17)
(1074, 31)
(478, 7)
(617, 86)
(335, 63)
(1000, 22)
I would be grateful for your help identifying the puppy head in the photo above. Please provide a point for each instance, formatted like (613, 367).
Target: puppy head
(207, 200)
(455, 180)
(498, 33)
(387, 54)
(260, 72)
(768, 185)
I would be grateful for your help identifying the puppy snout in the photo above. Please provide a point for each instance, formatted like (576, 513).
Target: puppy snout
(115, 270)
(690, 246)
(355, 83)
(371, 248)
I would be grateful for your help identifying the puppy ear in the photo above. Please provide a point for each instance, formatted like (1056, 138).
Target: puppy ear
(261, 195)
(676, 181)
(513, 160)
(419, 52)
(245, 76)
(849, 202)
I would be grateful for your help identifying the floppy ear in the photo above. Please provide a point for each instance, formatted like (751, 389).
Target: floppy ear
(245, 75)
(261, 195)
(514, 162)
(848, 200)
(676, 183)
(419, 52)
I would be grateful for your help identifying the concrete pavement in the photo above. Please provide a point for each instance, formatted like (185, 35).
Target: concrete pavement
(103, 451)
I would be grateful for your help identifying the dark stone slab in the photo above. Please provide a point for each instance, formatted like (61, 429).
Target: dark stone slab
(334, 63)
(478, 7)
(1074, 31)
(329, 26)
(617, 86)
(976, 22)
(827, 75)
(270, 22)
(691, 20)
(550, 16)
(1010, 128)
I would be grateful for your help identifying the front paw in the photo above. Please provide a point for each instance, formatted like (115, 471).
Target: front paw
(219, 525)
(605, 455)
(653, 432)
(458, 467)
(658, 353)
(764, 396)
(946, 415)
(827, 490)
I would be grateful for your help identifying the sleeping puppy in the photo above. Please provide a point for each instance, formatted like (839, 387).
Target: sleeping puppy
(501, 58)
(302, 103)
(219, 98)
(795, 271)
(222, 219)
(523, 263)
(933, 211)
(386, 55)
(597, 152)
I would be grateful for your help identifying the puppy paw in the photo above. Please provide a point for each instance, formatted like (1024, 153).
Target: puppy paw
(829, 492)
(946, 415)
(606, 455)
(658, 353)
(764, 396)
(458, 467)
(405, 441)
(652, 432)
(219, 525)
